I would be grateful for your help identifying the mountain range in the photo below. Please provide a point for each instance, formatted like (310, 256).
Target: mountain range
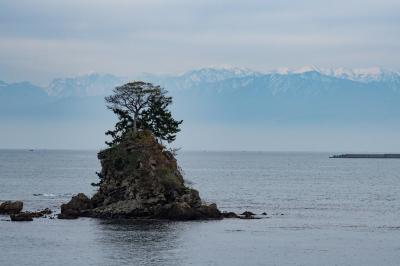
(234, 96)
(95, 84)
(279, 94)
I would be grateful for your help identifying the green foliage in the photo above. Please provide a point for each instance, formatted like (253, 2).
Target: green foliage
(125, 122)
(142, 106)
(158, 119)
(170, 181)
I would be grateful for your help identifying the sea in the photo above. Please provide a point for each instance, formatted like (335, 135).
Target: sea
(320, 211)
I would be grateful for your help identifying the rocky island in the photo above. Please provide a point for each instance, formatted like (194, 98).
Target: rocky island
(140, 177)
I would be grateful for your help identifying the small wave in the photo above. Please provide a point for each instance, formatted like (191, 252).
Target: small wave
(189, 182)
(44, 195)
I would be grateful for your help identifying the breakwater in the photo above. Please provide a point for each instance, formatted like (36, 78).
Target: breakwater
(368, 156)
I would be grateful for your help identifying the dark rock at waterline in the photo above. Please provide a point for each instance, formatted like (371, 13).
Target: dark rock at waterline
(248, 217)
(22, 217)
(184, 211)
(264, 213)
(244, 215)
(74, 208)
(41, 213)
(178, 211)
(209, 212)
(69, 214)
(247, 213)
(11, 207)
(140, 179)
(28, 216)
(230, 215)
(46, 211)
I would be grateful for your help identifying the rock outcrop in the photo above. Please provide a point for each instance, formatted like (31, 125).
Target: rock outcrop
(75, 207)
(140, 179)
(11, 207)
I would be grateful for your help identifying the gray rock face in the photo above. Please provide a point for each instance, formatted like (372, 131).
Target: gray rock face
(140, 179)
(11, 207)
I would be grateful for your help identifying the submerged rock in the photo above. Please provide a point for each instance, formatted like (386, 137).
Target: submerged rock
(41, 213)
(28, 215)
(22, 217)
(140, 179)
(11, 207)
(230, 215)
(248, 215)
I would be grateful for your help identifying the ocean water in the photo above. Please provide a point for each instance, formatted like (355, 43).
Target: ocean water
(321, 211)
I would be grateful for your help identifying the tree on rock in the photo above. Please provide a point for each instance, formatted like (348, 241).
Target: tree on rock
(139, 106)
(124, 124)
(158, 119)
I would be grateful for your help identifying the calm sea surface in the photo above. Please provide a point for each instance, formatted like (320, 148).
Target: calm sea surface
(321, 211)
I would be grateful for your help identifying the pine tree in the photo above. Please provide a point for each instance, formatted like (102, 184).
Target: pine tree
(142, 106)
(125, 122)
(158, 119)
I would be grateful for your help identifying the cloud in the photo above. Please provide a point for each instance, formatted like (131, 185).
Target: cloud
(41, 38)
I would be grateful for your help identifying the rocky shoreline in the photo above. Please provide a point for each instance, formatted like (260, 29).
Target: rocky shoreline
(14, 210)
(139, 179)
(80, 206)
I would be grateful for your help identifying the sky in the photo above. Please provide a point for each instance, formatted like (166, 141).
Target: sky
(44, 39)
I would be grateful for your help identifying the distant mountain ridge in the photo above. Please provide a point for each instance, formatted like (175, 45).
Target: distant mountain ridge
(224, 95)
(215, 104)
(95, 84)
(358, 74)
(86, 85)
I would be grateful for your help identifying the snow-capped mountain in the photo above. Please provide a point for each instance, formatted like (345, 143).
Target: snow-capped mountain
(217, 74)
(366, 75)
(235, 98)
(307, 97)
(195, 77)
(242, 77)
(306, 80)
(309, 79)
(226, 93)
(85, 85)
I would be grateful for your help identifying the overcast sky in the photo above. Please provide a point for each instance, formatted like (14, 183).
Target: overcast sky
(43, 39)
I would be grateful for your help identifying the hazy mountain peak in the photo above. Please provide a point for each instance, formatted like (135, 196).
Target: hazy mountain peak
(213, 74)
(305, 69)
(357, 74)
(90, 84)
(362, 74)
(94, 83)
